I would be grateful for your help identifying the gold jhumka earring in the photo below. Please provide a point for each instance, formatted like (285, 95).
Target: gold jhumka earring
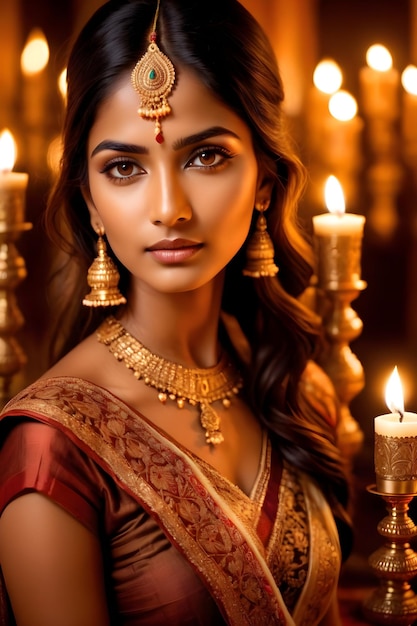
(153, 78)
(260, 249)
(103, 278)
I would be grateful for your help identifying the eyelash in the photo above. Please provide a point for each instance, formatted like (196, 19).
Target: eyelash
(218, 151)
(212, 150)
(119, 180)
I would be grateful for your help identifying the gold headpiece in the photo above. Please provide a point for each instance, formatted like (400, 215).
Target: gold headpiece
(153, 78)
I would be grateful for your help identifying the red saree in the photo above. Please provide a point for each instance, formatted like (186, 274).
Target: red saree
(234, 552)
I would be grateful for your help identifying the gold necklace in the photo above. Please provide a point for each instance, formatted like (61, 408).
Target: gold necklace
(174, 381)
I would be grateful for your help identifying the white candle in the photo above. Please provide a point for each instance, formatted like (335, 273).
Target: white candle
(409, 116)
(340, 143)
(396, 443)
(379, 83)
(327, 79)
(336, 221)
(12, 184)
(397, 423)
(338, 237)
(389, 425)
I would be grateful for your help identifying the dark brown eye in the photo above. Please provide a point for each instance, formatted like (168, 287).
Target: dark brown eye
(207, 157)
(125, 169)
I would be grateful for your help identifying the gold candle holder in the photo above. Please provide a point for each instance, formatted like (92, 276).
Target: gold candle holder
(338, 279)
(12, 272)
(396, 463)
(394, 602)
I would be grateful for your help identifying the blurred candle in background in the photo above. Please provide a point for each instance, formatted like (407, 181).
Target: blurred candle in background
(379, 84)
(327, 79)
(409, 114)
(342, 142)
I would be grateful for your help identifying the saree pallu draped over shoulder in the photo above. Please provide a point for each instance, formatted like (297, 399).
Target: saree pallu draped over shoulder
(172, 487)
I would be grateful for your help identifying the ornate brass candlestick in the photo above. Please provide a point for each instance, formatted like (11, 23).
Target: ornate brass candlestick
(338, 279)
(12, 272)
(394, 602)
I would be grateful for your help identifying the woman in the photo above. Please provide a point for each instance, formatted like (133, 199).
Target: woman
(194, 478)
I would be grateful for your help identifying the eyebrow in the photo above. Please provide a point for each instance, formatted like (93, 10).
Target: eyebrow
(117, 146)
(214, 131)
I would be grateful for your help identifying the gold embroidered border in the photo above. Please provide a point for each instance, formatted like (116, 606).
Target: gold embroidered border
(170, 487)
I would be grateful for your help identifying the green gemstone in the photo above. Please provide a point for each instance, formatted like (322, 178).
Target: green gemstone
(152, 74)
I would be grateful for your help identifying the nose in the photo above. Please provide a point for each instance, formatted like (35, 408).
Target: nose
(169, 202)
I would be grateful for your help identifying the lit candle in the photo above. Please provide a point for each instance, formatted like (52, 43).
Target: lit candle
(12, 185)
(379, 83)
(409, 117)
(34, 60)
(338, 237)
(340, 146)
(327, 79)
(396, 443)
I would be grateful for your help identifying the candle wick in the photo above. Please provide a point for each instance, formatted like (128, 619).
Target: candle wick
(401, 414)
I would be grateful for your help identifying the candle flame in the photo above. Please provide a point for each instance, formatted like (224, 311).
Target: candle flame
(327, 76)
(379, 58)
(343, 106)
(394, 393)
(35, 55)
(7, 151)
(333, 194)
(409, 79)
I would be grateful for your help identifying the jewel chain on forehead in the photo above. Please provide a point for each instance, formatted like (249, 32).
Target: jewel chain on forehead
(153, 78)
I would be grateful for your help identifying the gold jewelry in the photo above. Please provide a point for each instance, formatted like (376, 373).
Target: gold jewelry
(173, 381)
(153, 78)
(103, 278)
(260, 249)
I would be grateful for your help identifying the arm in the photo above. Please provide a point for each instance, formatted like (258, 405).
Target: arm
(52, 565)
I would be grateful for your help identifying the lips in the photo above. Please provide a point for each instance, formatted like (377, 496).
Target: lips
(175, 244)
(169, 251)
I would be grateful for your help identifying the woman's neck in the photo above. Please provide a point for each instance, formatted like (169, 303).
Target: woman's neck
(182, 327)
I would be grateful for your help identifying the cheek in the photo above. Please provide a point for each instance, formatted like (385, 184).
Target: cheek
(112, 203)
(237, 205)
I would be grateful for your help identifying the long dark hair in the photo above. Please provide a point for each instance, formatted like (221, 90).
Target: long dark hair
(230, 53)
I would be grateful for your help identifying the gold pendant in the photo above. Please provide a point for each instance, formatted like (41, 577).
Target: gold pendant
(210, 421)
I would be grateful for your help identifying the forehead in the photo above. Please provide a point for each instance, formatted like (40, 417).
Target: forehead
(193, 108)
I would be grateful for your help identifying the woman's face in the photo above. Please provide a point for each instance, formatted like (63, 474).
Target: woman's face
(174, 213)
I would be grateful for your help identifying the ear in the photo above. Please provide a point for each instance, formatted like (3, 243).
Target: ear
(264, 189)
(95, 218)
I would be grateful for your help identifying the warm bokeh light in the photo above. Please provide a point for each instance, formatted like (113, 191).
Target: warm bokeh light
(327, 76)
(62, 83)
(379, 58)
(35, 55)
(333, 195)
(409, 79)
(343, 106)
(54, 154)
(394, 396)
(7, 151)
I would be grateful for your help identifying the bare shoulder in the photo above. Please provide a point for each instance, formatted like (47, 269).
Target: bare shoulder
(89, 360)
(92, 361)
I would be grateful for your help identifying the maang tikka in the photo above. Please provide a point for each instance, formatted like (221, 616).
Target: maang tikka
(103, 278)
(260, 249)
(153, 78)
